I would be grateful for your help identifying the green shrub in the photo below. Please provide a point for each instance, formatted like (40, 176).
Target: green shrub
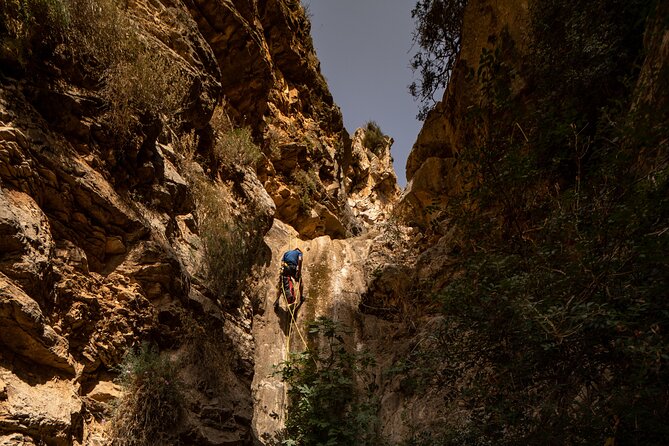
(231, 245)
(107, 46)
(329, 399)
(32, 26)
(148, 84)
(206, 353)
(374, 138)
(139, 80)
(150, 407)
(236, 146)
(231, 250)
(306, 187)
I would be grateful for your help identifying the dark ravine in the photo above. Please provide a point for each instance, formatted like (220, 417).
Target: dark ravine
(107, 235)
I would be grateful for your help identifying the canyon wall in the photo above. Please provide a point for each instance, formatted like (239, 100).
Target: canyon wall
(148, 189)
(114, 194)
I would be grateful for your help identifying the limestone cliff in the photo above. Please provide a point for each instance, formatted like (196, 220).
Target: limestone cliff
(526, 126)
(433, 171)
(271, 79)
(116, 202)
(371, 180)
(156, 159)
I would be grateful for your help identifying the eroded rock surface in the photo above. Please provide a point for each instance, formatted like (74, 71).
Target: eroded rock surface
(102, 238)
(371, 181)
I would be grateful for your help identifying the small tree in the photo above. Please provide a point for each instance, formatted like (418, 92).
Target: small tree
(328, 402)
(438, 34)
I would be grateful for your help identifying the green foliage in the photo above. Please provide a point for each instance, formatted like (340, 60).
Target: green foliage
(149, 84)
(584, 55)
(207, 354)
(329, 395)
(232, 245)
(557, 318)
(28, 26)
(107, 49)
(438, 34)
(150, 406)
(306, 187)
(374, 138)
(236, 146)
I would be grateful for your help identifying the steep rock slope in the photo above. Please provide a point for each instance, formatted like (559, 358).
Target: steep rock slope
(433, 171)
(106, 188)
(89, 271)
(271, 79)
(551, 105)
(336, 281)
(333, 281)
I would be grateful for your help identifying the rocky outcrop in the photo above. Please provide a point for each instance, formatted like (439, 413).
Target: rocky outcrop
(371, 181)
(104, 243)
(433, 171)
(370, 285)
(101, 249)
(333, 281)
(86, 273)
(271, 80)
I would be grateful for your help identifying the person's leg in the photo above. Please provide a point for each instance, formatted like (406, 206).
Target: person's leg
(287, 284)
(291, 296)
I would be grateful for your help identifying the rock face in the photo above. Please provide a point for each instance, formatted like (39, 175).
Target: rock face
(104, 237)
(334, 279)
(271, 78)
(101, 246)
(371, 181)
(432, 170)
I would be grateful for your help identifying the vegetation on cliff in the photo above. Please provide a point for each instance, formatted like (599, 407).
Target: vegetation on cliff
(100, 46)
(556, 311)
(150, 409)
(374, 138)
(141, 236)
(329, 391)
(439, 38)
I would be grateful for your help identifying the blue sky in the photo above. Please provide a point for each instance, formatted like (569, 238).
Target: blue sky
(364, 47)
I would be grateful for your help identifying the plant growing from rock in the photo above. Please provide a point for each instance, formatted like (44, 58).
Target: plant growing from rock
(150, 407)
(328, 390)
(231, 245)
(149, 84)
(108, 48)
(374, 138)
(306, 187)
(232, 146)
(236, 146)
(32, 26)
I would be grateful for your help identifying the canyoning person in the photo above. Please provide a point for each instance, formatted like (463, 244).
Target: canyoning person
(291, 270)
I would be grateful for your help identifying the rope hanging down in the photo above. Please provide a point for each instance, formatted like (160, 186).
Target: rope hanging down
(293, 322)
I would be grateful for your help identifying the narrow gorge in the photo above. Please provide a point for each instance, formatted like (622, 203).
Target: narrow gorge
(157, 157)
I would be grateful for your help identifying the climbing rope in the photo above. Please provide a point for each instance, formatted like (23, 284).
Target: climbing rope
(291, 308)
(293, 321)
